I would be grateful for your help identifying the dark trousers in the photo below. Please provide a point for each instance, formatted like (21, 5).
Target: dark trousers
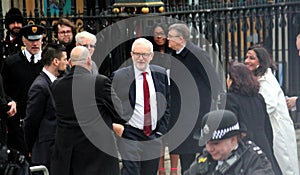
(186, 160)
(140, 153)
(15, 136)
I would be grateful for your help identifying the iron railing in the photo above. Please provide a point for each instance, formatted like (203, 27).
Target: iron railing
(230, 28)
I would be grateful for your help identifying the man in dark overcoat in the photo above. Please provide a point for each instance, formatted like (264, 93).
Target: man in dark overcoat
(198, 65)
(86, 106)
(19, 71)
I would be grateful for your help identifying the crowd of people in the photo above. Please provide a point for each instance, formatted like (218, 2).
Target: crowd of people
(58, 111)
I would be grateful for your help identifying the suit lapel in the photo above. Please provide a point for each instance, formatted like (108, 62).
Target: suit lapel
(45, 76)
(130, 77)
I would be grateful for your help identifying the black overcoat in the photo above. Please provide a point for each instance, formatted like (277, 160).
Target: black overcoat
(197, 62)
(18, 75)
(86, 106)
(253, 117)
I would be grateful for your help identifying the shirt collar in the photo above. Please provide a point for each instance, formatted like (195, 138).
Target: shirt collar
(11, 38)
(137, 72)
(180, 50)
(49, 74)
(37, 56)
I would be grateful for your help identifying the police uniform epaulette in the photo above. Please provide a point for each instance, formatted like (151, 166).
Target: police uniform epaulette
(251, 145)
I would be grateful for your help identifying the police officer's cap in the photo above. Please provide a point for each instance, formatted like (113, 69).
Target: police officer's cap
(218, 125)
(13, 15)
(33, 32)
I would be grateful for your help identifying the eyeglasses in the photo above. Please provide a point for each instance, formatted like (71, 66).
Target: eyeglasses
(88, 45)
(67, 32)
(144, 55)
(170, 36)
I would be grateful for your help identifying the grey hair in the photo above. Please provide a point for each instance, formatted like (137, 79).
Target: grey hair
(144, 42)
(84, 34)
(181, 29)
(79, 53)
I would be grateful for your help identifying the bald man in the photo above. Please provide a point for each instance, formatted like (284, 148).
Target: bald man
(84, 102)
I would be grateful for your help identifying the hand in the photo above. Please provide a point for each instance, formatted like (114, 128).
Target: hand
(291, 102)
(118, 129)
(13, 109)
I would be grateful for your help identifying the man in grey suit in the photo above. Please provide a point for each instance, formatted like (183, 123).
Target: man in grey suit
(40, 119)
(139, 145)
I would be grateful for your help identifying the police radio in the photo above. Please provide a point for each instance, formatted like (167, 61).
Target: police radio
(203, 163)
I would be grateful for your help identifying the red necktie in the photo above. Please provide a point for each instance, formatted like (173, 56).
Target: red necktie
(147, 115)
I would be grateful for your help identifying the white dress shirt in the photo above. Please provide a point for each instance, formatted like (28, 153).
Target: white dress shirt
(37, 56)
(50, 75)
(137, 119)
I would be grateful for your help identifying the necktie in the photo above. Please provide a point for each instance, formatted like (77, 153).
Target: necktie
(147, 115)
(32, 59)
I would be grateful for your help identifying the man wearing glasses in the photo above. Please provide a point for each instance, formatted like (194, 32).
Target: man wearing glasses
(197, 61)
(65, 34)
(144, 93)
(88, 40)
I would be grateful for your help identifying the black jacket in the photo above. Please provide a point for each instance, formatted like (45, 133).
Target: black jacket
(40, 120)
(86, 106)
(252, 114)
(192, 66)
(251, 161)
(4, 99)
(9, 47)
(18, 74)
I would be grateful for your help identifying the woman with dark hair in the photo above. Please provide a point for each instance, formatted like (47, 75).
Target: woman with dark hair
(249, 106)
(260, 62)
(160, 46)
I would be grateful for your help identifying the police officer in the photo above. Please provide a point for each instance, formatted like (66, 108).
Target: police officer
(13, 41)
(225, 152)
(19, 71)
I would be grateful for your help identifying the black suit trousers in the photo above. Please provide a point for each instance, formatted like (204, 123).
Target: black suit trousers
(139, 157)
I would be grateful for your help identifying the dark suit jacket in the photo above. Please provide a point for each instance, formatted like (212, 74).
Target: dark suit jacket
(298, 104)
(40, 120)
(124, 85)
(84, 140)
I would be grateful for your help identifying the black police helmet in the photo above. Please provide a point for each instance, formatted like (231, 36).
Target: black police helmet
(219, 125)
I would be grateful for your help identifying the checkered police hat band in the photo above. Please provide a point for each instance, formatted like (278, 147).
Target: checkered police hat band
(219, 134)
